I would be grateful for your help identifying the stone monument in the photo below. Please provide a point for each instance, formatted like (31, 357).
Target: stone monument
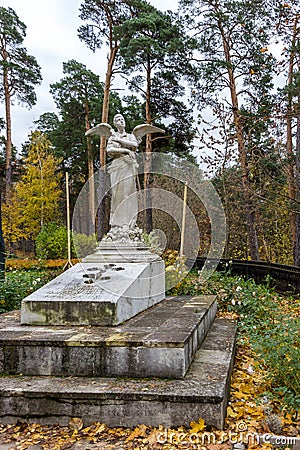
(123, 277)
(106, 344)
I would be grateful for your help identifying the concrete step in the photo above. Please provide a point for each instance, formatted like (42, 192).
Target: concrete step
(159, 342)
(129, 402)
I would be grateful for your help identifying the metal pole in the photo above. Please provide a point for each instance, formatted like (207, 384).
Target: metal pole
(183, 220)
(2, 246)
(69, 262)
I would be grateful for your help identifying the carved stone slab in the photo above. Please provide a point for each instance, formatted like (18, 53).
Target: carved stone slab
(96, 294)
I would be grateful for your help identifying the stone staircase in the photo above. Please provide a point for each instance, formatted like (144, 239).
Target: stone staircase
(168, 365)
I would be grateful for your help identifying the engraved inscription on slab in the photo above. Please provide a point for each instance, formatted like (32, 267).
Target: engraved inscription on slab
(76, 290)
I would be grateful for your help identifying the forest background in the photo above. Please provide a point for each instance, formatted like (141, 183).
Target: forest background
(237, 63)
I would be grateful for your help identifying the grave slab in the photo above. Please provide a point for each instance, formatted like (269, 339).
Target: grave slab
(159, 342)
(96, 294)
(129, 402)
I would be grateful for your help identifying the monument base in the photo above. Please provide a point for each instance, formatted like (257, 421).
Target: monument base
(128, 402)
(122, 252)
(159, 342)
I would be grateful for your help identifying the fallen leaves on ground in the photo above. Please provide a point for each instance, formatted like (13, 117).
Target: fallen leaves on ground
(249, 414)
(196, 427)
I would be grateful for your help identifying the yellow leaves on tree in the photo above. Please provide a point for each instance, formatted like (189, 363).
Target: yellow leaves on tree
(36, 198)
(12, 231)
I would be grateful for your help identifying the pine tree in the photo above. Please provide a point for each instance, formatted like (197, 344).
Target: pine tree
(78, 95)
(20, 73)
(154, 47)
(288, 31)
(233, 62)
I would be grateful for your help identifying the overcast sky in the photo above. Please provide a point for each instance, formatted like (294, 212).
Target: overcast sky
(52, 38)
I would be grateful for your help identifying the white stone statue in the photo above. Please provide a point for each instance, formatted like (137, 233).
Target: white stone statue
(121, 146)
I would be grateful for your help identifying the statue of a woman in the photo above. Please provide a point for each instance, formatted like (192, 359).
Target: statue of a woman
(121, 146)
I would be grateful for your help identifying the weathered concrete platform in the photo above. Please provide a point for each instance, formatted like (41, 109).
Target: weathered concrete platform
(96, 294)
(159, 342)
(129, 402)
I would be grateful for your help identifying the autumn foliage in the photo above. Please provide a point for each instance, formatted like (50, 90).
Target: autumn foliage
(36, 196)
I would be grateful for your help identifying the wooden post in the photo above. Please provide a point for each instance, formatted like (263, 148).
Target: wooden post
(69, 262)
(183, 220)
(2, 246)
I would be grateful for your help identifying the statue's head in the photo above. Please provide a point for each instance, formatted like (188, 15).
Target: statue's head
(119, 120)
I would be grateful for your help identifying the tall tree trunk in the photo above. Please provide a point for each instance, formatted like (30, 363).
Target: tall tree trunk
(297, 192)
(290, 172)
(249, 210)
(105, 106)
(90, 164)
(8, 143)
(2, 246)
(225, 194)
(289, 139)
(289, 150)
(104, 119)
(148, 158)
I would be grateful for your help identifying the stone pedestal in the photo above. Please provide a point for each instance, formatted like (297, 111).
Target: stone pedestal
(160, 342)
(125, 402)
(119, 252)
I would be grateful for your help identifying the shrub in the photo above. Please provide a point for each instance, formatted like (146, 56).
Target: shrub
(52, 242)
(13, 263)
(20, 283)
(83, 244)
(19, 264)
(152, 240)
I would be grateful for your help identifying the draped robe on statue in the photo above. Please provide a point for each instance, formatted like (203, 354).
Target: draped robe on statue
(123, 172)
